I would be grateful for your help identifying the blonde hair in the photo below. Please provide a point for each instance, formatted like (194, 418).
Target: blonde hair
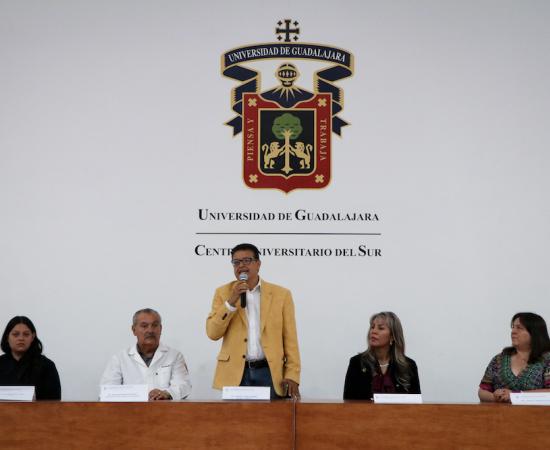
(397, 348)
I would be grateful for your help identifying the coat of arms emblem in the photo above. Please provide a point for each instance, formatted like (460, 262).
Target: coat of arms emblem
(287, 129)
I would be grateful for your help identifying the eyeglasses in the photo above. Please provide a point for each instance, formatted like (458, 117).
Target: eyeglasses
(244, 261)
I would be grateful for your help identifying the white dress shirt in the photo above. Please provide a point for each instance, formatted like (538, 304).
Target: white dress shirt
(167, 371)
(254, 351)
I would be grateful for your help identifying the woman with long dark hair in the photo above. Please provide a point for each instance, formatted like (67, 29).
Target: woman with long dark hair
(23, 363)
(383, 367)
(524, 366)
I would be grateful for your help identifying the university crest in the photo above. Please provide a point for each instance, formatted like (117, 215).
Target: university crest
(287, 129)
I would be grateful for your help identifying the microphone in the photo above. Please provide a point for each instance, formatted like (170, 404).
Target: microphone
(243, 276)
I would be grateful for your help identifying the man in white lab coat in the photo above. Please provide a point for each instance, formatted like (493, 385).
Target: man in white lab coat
(149, 362)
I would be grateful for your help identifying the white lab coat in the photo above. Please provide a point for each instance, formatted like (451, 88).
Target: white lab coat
(167, 371)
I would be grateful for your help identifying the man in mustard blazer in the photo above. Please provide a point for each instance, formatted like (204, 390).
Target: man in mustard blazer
(260, 344)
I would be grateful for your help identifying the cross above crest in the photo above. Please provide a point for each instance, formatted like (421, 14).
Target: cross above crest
(287, 30)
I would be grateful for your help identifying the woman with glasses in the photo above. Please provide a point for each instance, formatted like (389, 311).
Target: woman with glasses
(23, 363)
(383, 367)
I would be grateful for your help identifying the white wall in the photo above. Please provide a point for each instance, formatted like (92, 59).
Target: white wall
(112, 138)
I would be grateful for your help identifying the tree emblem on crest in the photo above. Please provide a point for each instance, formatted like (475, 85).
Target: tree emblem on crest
(287, 128)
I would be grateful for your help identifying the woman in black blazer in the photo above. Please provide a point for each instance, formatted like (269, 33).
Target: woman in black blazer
(383, 367)
(23, 363)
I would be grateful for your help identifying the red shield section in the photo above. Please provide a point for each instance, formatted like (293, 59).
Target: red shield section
(286, 148)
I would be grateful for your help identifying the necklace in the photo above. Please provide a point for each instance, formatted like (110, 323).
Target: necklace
(384, 365)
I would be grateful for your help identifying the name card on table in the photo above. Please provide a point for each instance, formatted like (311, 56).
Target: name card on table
(124, 393)
(245, 393)
(530, 398)
(398, 398)
(17, 393)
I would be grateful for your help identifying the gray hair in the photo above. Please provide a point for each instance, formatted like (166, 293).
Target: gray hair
(145, 311)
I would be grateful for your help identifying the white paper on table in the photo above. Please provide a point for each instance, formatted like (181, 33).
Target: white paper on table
(17, 393)
(246, 393)
(124, 393)
(530, 398)
(398, 398)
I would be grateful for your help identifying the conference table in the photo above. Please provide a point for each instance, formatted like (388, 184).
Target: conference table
(283, 424)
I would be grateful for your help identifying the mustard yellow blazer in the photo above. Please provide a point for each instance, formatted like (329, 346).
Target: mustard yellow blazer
(277, 334)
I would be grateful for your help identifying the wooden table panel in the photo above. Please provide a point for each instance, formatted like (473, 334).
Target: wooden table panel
(362, 425)
(152, 426)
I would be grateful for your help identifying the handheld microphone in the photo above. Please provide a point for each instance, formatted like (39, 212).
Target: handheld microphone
(243, 276)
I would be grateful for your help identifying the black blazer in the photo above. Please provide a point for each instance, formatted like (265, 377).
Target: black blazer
(37, 371)
(358, 385)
